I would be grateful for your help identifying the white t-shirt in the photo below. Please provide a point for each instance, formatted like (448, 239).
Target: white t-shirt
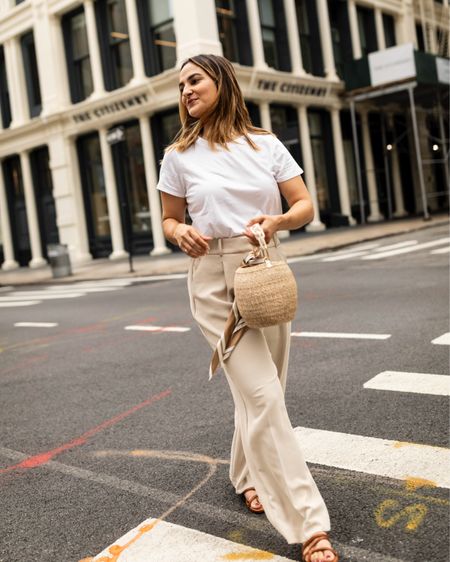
(224, 190)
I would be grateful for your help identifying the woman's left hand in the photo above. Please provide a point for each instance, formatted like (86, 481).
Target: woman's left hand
(269, 223)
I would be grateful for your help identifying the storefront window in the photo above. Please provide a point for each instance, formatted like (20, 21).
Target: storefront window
(93, 180)
(31, 74)
(320, 159)
(115, 42)
(4, 92)
(131, 172)
(77, 55)
(158, 35)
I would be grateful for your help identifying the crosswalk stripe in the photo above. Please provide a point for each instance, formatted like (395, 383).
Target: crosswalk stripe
(371, 455)
(166, 542)
(36, 324)
(395, 246)
(340, 335)
(441, 250)
(345, 256)
(42, 296)
(420, 383)
(442, 340)
(63, 291)
(414, 248)
(140, 328)
(17, 303)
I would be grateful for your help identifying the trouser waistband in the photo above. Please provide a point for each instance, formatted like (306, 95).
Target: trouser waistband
(236, 245)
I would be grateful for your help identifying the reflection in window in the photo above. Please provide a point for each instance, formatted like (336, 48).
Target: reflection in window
(320, 160)
(77, 55)
(31, 74)
(158, 35)
(226, 20)
(94, 185)
(268, 30)
(119, 43)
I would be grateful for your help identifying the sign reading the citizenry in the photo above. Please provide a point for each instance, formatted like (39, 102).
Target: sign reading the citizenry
(292, 88)
(110, 108)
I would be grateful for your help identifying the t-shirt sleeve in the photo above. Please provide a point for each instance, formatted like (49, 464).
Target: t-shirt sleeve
(284, 165)
(170, 176)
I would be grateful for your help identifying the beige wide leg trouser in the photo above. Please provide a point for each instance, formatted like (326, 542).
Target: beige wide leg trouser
(265, 453)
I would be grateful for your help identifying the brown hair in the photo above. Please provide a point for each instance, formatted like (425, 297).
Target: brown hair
(227, 117)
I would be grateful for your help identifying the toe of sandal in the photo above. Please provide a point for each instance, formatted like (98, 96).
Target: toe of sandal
(310, 547)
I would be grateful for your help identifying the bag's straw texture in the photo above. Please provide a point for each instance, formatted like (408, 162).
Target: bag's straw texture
(266, 295)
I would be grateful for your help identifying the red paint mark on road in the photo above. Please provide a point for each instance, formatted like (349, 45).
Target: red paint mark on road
(148, 320)
(26, 363)
(42, 458)
(86, 329)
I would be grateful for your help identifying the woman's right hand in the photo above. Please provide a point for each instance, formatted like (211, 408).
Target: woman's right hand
(191, 241)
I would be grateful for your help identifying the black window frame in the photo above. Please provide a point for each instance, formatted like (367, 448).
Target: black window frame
(31, 71)
(108, 47)
(5, 105)
(283, 56)
(389, 30)
(153, 60)
(366, 21)
(77, 90)
(234, 17)
(312, 57)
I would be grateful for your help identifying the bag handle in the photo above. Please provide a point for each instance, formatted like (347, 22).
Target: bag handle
(257, 230)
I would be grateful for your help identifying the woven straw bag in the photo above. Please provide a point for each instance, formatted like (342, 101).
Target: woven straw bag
(265, 290)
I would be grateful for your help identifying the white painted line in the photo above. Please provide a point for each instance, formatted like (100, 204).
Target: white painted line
(166, 542)
(406, 250)
(345, 256)
(63, 291)
(36, 324)
(142, 328)
(393, 459)
(420, 383)
(442, 340)
(441, 251)
(340, 335)
(42, 296)
(398, 245)
(18, 303)
(169, 277)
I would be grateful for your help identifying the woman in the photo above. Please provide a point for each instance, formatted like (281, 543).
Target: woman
(229, 175)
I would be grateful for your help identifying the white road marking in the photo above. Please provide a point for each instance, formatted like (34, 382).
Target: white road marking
(421, 383)
(345, 256)
(398, 245)
(406, 250)
(168, 542)
(142, 328)
(442, 340)
(340, 335)
(36, 324)
(441, 251)
(62, 291)
(18, 303)
(42, 296)
(393, 459)
(203, 509)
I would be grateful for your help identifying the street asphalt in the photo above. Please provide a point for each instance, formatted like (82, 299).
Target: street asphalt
(102, 427)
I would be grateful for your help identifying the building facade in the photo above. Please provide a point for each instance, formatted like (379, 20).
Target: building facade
(89, 100)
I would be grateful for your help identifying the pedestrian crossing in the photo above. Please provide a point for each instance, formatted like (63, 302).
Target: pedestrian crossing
(415, 464)
(376, 251)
